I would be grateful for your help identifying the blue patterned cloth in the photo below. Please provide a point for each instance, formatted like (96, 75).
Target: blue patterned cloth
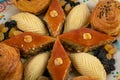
(2, 0)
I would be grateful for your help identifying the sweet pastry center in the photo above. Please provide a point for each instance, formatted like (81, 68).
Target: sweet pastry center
(87, 36)
(53, 13)
(58, 61)
(27, 38)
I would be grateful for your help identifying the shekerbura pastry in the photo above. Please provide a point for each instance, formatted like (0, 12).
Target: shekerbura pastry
(78, 17)
(106, 17)
(88, 65)
(29, 23)
(32, 6)
(11, 67)
(36, 66)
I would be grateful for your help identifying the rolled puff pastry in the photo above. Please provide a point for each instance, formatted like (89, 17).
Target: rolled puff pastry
(77, 18)
(88, 65)
(29, 23)
(106, 17)
(11, 67)
(36, 66)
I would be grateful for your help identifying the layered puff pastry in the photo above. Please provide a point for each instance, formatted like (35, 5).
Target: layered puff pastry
(106, 17)
(55, 18)
(59, 62)
(28, 22)
(35, 67)
(88, 65)
(30, 43)
(32, 6)
(84, 39)
(78, 17)
(11, 67)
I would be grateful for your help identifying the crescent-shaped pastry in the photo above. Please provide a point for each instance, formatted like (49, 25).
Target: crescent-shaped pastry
(77, 18)
(88, 65)
(29, 23)
(11, 67)
(106, 17)
(36, 66)
(32, 6)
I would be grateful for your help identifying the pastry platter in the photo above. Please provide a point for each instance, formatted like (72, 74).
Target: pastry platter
(8, 9)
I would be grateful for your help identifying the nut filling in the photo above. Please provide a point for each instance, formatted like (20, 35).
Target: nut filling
(28, 38)
(53, 13)
(87, 36)
(58, 61)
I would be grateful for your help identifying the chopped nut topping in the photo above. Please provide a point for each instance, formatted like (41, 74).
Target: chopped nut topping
(53, 13)
(87, 36)
(58, 61)
(28, 38)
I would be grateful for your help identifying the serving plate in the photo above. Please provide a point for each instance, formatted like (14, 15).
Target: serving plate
(7, 9)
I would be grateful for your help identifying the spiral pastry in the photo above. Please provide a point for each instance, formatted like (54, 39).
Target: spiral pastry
(11, 67)
(106, 17)
(32, 6)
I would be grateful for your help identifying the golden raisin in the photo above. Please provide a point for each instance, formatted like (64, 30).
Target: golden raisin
(109, 56)
(1, 36)
(108, 47)
(68, 8)
(112, 51)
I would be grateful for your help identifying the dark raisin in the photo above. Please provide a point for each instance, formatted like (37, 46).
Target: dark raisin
(108, 70)
(72, 3)
(112, 61)
(6, 35)
(101, 55)
(77, 3)
(6, 24)
(112, 67)
(104, 61)
(13, 23)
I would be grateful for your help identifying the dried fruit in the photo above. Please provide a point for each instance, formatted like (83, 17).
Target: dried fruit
(1, 36)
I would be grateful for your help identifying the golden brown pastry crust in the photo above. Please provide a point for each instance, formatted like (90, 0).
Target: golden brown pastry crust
(32, 6)
(11, 67)
(59, 62)
(29, 43)
(106, 17)
(55, 18)
(76, 39)
(83, 78)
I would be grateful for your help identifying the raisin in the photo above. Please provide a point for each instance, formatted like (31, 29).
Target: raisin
(104, 61)
(112, 61)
